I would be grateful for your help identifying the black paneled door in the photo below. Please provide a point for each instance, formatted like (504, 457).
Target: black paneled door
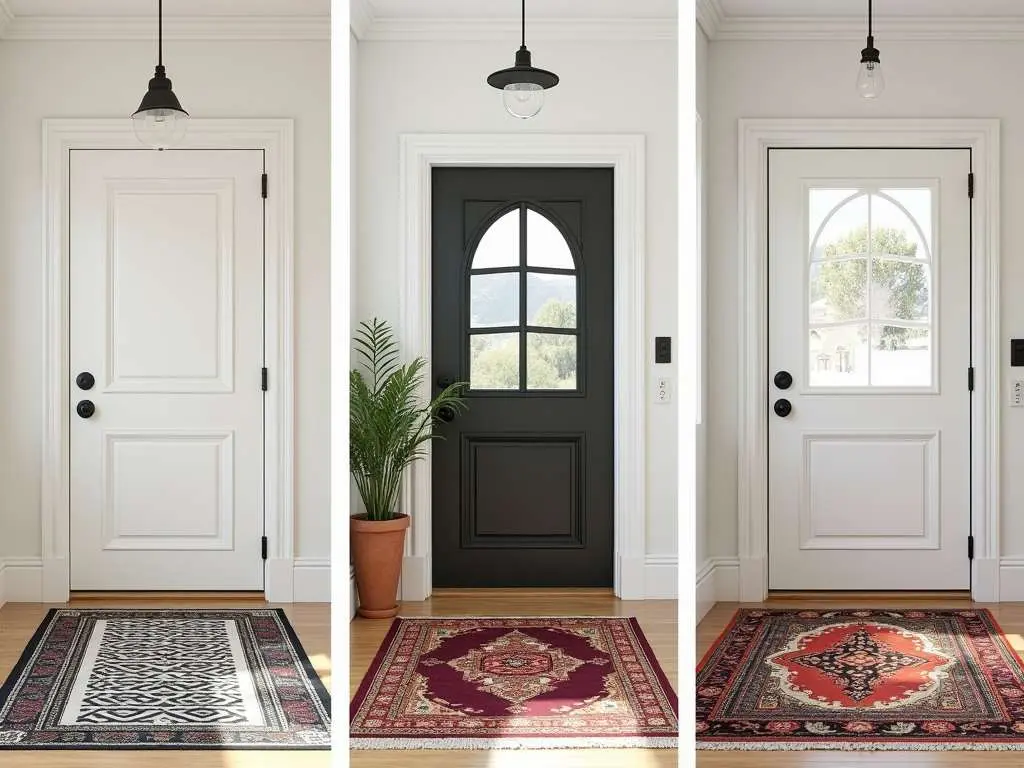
(523, 310)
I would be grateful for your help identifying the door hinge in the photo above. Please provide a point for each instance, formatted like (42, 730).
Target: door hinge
(263, 547)
(264, 186)
(970, 547)
(970, 379)
(970, 184)
(263, 379)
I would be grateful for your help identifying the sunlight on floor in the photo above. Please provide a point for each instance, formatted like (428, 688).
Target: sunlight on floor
(560, 758)
(1015, 641)
(322, 664)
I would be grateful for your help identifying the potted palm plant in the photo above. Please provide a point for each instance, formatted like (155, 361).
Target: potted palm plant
(389, 428)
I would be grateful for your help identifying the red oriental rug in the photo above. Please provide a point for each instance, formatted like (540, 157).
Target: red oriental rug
(861, 680)
(507, 683)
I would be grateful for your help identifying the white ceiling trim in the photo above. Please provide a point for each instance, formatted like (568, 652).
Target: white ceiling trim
(6, 17)
(360, 17)
(710, 16)
(919, 28)
(366, 25)
(221, 28)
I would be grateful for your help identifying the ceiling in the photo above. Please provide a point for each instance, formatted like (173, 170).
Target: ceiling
(847, 19)
(188, 19)
(500, 19)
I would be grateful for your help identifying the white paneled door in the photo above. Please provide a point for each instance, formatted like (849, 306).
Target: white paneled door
(166, 318)
(869, 274)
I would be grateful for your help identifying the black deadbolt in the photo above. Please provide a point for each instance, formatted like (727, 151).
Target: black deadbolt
(85, 380)
(86, 408)
(783, 407)
(783, 380)
(446, 413)
(445, 381)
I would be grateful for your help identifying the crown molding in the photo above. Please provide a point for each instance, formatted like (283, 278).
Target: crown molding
(360, 17)
(710, 16)
(221, 28)
(6, 17)
(478, 30)
(906, 29)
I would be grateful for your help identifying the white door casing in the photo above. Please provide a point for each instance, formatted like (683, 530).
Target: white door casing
(756, 136)
(167, 315)
(869, 312)
(275, 138)
(624, 153)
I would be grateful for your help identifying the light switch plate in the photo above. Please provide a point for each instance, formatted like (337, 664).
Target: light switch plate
(663, 390)
(1017, 394)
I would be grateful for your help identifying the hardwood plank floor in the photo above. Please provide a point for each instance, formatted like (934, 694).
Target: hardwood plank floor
(658, 619)
(312, 623)
(1010, 617)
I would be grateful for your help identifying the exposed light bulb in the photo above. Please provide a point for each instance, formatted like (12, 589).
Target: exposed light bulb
(870, 80)
(523, 100)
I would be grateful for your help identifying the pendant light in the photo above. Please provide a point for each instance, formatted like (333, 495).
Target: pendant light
(523, 85)
(870, 82)
(160, 121)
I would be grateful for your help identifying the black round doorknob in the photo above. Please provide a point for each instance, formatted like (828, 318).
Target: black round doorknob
(783, 407)
(445, 381)
(446, 413)
(86, 408)
(783, 379)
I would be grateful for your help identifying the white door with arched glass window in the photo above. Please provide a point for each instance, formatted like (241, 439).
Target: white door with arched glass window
(869, 274)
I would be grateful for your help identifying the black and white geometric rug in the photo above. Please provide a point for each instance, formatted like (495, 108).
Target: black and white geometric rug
(164, 679)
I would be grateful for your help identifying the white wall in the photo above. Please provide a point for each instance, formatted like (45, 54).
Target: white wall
(107, 79)
(440, 87)
(702, 110)
(923, 80)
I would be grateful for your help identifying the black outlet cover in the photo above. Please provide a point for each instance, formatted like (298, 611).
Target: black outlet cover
(662, 349)
(1017, 352)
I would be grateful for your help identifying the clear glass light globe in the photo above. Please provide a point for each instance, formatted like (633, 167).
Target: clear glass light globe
(523, 100)
(870, 81)
(160, 128)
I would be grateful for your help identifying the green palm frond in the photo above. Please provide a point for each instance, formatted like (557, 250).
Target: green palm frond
(388, 425)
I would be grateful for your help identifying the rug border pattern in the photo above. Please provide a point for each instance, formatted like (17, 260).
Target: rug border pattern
(521, 741)
(313, 685)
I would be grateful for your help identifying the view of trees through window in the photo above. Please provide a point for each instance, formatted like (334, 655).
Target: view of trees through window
(550, 357)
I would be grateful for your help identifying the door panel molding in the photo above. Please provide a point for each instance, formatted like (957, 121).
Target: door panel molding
(419, 153)
(275, 138)
(756, 137)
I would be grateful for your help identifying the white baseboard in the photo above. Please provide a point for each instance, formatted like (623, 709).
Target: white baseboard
(22, 580)
(718, 581)
(308, 580)
(312, 580)
(705, 589)
(1011, 579)
(661, 577)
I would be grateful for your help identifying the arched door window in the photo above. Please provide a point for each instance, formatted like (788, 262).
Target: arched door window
(523, 306)
(870, 299)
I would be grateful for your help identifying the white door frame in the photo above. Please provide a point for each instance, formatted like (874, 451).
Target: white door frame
(275, 137)
(625, 154)
(756, 136)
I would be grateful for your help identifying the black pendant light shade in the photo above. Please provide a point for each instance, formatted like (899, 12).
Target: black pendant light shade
(523, 85)
(870, 81)
(160, 121)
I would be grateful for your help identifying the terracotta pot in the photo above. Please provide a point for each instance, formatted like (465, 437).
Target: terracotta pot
(377, 548)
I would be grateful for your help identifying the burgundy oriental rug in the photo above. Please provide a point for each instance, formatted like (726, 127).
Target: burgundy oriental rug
(164, 679)
(508, 683)
(861, 680)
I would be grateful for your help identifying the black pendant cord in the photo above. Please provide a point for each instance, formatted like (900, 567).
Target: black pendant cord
(160, 33)
(524, 24)
(870, 35)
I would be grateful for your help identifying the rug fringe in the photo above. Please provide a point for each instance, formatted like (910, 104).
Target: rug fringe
(653, 742)
(866, 746)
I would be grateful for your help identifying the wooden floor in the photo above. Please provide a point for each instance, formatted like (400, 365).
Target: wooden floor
(18, 621)
(658, 619)
(1010, 617)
